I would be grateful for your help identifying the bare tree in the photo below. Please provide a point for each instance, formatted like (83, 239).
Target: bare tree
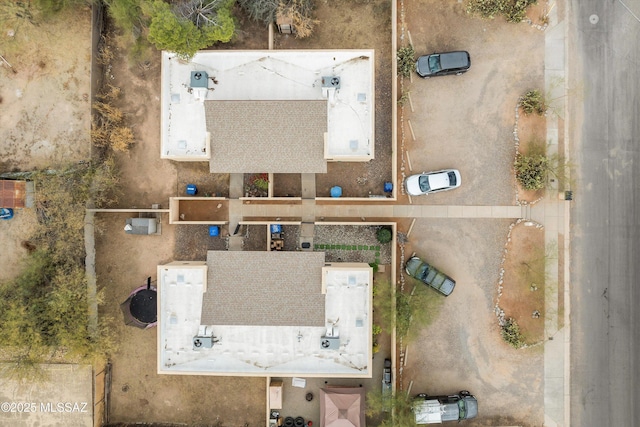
(202, 13)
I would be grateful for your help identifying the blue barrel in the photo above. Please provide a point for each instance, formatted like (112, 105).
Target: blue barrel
(276, 228)
(214, 231)
(388, 187)
(192, 190)
(336, 191)
(6, 213)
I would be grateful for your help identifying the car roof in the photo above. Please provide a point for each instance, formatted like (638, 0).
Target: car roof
(456, 59)
(439, 180)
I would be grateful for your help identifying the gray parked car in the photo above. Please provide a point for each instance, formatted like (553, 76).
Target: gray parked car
(438, 409)
(443, 64)
(428, 274)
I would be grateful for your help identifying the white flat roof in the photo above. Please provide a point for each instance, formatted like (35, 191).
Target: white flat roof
(270, 75)
(340, 348)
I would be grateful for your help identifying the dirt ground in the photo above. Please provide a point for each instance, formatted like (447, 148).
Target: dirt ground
(523, 290)
(466, 122)
(44, 106)
(44, 98)
(462, 349)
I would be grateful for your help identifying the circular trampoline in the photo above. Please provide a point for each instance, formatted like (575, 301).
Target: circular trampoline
(140, 308)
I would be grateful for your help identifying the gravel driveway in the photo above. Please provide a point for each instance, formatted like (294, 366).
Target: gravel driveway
(462, 349)
(466, 122)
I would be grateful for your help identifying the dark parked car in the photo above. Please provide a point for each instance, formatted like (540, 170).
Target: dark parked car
(437, 409)
(439, 281)
(387, 386)
(443, 64)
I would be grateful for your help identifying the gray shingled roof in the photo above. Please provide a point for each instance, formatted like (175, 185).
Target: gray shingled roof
(267, 136)
(264, 288)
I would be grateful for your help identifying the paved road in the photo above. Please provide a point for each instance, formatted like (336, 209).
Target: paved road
(606, 225)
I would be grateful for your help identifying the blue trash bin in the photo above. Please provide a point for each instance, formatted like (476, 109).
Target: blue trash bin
(214, 231)
(388, 187)
(6, 213)
(276, 228)
(336, 191)
(192, 190)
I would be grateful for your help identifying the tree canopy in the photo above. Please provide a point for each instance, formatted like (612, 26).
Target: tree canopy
(192, 26)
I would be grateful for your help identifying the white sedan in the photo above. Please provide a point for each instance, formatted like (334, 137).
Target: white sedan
(432, 182)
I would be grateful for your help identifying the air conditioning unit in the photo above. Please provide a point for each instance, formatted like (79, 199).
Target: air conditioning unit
(200, 342)
(204, 339)
(199, 79)
(331, 81)
(330, 343)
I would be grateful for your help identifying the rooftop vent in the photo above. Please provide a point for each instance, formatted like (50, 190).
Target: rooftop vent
(330, 343)
(204, 339)
(199, 79)
(331, 81)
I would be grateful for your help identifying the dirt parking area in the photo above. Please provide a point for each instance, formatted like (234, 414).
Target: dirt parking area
(462, 349)
(466, 122)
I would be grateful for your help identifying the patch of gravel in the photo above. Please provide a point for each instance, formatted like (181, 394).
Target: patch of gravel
(255, 238)
(193, 242)
(351, 243)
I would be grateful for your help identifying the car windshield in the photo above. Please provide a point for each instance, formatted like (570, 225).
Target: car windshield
(434, 63)
(422, 272)
(452, 179)
(424, 183)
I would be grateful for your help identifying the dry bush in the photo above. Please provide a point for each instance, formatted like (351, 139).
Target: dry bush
(299, 12)
(109, 114)
(109, 93)
(121, 138)
(108, 127)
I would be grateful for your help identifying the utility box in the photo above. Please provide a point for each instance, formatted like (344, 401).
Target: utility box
(141, 226)
(275, 395)
(199, 79)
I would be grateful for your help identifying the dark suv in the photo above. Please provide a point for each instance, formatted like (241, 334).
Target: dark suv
(443, 64)
(431, 276)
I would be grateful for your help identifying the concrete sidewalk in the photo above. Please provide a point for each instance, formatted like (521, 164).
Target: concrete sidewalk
(553, 212)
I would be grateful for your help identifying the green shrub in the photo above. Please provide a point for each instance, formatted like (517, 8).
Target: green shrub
(375, 267)
(126, 14)
(533, 102)
(531, 171)
(50, 7)
(261, 181)
(406, 61)
(511, 334)
(186, 33)
(512, 10)
(376, 330)
(383, 235)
